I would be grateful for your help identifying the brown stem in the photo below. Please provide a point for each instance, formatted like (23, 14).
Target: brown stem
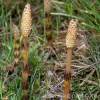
(25, 72)
(67, 76)
(48, 27)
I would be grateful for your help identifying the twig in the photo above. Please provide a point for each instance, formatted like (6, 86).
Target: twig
(87, 77)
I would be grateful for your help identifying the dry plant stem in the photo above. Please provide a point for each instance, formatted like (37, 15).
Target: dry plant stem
(67, 76)
(48, 28)
(48, 21)
(25, 72)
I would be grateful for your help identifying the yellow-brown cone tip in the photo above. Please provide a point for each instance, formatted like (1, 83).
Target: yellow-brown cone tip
(15, 30)
(26, 22)
(71, 34)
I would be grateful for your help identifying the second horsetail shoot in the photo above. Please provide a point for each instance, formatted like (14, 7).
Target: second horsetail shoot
(70, 44)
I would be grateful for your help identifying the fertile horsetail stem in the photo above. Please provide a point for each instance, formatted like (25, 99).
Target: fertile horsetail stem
(70, 44)
(16, 45)
(15, 63)
(48, 20)
(26, 25)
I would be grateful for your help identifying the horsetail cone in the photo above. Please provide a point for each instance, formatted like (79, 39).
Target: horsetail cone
(26, 21)
(71, 34)
(47, 6)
